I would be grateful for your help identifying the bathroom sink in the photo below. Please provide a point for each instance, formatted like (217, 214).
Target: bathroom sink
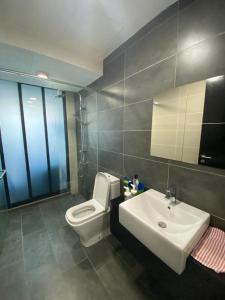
(169, 230)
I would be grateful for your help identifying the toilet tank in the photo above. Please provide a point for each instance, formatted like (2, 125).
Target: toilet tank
(114, 186)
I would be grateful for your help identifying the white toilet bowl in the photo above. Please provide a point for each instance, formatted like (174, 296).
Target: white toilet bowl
(90, 219)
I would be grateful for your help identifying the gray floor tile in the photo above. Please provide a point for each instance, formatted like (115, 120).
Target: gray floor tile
(51, 264)
(99, 253)
(14, 224)
(32, 220)
(12, 283)
(119, 280)
(53, 216)
(66, 247)
(11, 252)
(46, 282)
(84, 283)
(37, 250)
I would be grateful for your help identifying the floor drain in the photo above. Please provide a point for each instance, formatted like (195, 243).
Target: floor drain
(162, 224)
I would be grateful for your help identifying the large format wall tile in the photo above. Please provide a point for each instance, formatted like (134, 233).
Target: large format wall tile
(111, 141)
(111, 97)
(111, 119)
(203, 190)
(138, 116)
(111, 161)
(92, 121)
(151, 62)
(200, 20)
(165, 15)
(153, 47)
(113, 71)
(144, 85)
(152, 173)
(92, 155)
(137, 143)
(202, 61)
(91, 102)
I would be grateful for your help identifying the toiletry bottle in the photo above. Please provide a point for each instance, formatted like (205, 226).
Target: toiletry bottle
(134, 190)
(127, 193)
(135, 181)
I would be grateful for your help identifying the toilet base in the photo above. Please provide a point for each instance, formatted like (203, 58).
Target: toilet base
(95, 239)
(94, 230)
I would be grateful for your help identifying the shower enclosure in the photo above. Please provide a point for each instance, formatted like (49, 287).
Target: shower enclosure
(34, 145)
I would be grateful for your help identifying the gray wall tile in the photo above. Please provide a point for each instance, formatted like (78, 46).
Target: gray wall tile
(91, 102)
(144, 85)
(203, 190)
(137, 143)
(92, 155)
(124, 129)
(111, 97)
(92, 139)
(162, 17)
(152, 173)
(111, 161)
(138, 116)
(202, 61)
(153, 47)
(200, 20)
(111, 141)
(113, 71)
(92, 121)
(111, 119)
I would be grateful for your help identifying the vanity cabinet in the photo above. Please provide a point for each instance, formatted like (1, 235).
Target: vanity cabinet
(196, 282)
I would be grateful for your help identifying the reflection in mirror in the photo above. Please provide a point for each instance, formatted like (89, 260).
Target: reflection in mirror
(188, 123)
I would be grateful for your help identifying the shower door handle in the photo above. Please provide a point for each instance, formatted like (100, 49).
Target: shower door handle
(2, 174)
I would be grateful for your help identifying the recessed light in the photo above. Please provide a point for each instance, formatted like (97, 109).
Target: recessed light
(42, 75)
(33, 98)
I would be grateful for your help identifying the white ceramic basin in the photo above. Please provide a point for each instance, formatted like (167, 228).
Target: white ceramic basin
(185, 225)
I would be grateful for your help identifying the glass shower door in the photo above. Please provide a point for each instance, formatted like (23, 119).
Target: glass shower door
(3, 200)
(34, 141)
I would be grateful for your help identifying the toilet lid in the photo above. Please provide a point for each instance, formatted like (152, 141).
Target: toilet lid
(102, 189)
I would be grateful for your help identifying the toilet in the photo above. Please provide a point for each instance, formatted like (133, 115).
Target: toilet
(90, 219)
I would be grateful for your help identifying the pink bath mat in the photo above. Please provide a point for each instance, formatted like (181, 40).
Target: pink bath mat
(210, 250)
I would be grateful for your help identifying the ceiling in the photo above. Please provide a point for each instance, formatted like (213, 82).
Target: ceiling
(78, 32)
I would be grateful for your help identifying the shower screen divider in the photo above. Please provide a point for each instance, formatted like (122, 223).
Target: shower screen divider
(43, 122)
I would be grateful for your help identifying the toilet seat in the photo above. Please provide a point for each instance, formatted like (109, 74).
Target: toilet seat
(83, 212)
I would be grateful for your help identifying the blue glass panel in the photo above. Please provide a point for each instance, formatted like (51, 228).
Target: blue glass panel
(56, 139)
(3, 210)
(3, 204)
(36, 143)
(12, 139)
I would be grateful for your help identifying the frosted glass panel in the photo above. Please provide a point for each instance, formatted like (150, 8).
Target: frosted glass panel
(3, 204)
(12, 140)
(56, 140)
(35, 135)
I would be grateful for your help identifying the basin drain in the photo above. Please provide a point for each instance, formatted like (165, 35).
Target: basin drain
(162, 224)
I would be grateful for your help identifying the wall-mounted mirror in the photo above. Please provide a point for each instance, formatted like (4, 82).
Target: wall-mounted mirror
(188, 123)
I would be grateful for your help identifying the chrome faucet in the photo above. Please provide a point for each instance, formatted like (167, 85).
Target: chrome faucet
(171, 194)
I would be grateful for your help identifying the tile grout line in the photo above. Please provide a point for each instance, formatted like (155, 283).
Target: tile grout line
(124, 87)
(95, 270)
(143, 36)
(23, 257)
(178, 52)
(125, 105)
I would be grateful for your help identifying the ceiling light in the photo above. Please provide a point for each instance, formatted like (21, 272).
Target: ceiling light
(42, 75)
(33, 98)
